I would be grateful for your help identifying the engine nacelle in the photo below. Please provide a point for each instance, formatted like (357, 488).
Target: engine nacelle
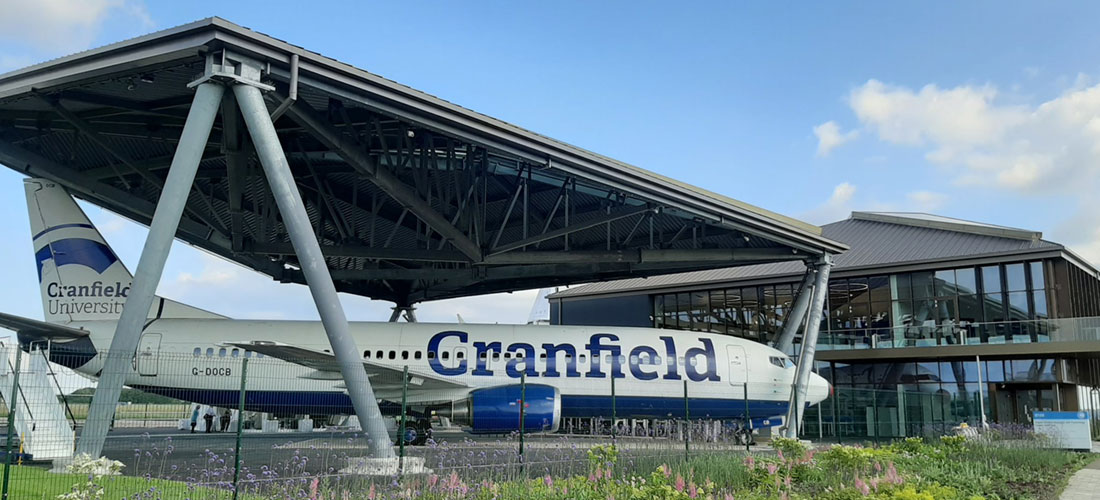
(495, 410)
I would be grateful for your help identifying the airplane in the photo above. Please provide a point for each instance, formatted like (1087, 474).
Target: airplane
(468, 372)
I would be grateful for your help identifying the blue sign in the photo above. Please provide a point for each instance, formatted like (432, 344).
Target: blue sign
(1061, 415)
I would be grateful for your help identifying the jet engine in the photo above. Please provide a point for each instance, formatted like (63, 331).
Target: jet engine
(495, 410)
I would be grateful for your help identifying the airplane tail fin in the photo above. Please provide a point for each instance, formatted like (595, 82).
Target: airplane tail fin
(81, 278)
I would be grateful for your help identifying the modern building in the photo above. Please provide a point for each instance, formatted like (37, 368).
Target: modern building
(917, 305)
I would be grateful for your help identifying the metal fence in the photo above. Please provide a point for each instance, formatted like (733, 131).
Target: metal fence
(237, 424)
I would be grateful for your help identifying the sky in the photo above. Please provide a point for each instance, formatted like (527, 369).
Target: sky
(986, 111)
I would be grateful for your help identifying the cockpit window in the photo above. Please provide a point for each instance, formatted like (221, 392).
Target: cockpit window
(781, 362)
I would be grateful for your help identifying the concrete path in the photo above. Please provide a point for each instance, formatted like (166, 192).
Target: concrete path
(1085, 483)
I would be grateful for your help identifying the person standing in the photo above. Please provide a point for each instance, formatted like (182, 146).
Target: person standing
(225, 420)
(194, 418)
(209, 418)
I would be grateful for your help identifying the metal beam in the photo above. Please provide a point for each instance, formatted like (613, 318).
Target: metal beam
(565, 231)
(365, 252)
(291, 207)
(797, 313)
(809, 346)
(644, 255)
(305, 116)
(162, 231)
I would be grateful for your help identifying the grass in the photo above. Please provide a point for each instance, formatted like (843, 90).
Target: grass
(36, 483)
(949, 469)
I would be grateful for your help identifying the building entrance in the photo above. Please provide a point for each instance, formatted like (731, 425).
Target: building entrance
(1013, 403)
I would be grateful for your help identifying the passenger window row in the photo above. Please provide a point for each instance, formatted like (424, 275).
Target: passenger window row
(608, 359)
(223, 352)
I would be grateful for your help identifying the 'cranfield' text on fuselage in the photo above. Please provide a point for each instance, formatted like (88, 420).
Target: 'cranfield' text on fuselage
(642, 361)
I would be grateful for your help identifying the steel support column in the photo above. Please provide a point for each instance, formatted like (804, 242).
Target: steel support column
(314, 267)
(798, 311)
(162, 230)
(809, 346)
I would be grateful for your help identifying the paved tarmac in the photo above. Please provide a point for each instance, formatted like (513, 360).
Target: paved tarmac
(170, 453)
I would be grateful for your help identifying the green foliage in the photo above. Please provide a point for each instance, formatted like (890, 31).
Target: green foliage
(602, 456)
(792, 449)
(953, 443)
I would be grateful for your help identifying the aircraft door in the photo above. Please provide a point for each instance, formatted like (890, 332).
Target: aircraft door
(738, 369)
(148, 354)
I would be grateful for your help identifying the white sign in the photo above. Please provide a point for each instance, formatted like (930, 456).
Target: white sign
(1067, 429)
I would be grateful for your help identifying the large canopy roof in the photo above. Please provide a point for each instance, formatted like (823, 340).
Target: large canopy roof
(413, 198)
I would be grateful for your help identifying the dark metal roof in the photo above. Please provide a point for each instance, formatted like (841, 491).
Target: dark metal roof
(874, 244)
(413, 197)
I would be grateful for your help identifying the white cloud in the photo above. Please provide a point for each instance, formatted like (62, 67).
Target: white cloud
(837, 207)
(829, 137)
(58, 26)
(925, 201)
(1046, 150)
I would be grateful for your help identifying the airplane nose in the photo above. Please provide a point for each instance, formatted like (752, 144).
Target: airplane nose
(819, 390)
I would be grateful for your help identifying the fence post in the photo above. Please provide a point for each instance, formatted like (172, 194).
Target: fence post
(874, 413)
(13, 407)
(401, 429)
(240, 429)
(614, 412)
(687, 424)
(748, 419)
(522, 417)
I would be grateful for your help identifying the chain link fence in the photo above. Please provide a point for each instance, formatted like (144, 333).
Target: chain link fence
(227, 422)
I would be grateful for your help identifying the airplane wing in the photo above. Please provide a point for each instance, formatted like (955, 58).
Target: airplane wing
(381, 376)
(39, 329)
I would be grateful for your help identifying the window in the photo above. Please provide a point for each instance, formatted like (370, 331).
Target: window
(507, 355)
(991, 279)
(248, 354)
(209, 352)
(923, 285)
(431, 354)
(378, 354)
(945, 283)
(776, 360)
(404, 354)
(496, 356)
(460, 355)
(446, 355)
(366, 354)
(416, 355)
(1014, 277)
(198, 352)
(259, 355)
(221, 352)
(1038, 279)
(966, 281)
(236, 353)
(582, 358)
(393, 354)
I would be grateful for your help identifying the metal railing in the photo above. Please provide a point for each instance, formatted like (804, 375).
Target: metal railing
(963, 333)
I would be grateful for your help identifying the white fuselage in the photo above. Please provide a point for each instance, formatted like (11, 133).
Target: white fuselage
(189, 359)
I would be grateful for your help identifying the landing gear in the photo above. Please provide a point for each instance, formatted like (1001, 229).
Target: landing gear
(417, 432)
(744, 436)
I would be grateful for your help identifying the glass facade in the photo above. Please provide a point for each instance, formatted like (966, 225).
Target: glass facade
(895, 399)
(997, 303)
(1009, 302)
